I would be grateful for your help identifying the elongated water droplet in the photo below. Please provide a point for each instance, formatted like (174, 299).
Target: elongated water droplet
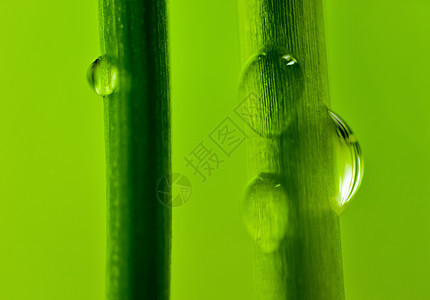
(102, 75)
(349, 163)
(270, 89)
(264, 211)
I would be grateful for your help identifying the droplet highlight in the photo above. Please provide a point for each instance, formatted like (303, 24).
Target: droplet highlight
(264, 211)
(270, 90)
(102, 75)
(349, 166)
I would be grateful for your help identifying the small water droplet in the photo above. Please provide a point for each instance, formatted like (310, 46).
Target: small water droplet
(270, 89)
(349, 165)
(102, 75)
(264, 211)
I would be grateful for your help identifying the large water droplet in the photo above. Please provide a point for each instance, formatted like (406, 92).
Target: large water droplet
(102, 75)
(270, 89)
(349, 165)
(264, 211)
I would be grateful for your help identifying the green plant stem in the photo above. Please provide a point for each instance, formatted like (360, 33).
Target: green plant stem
(308, 262)
(133, 34)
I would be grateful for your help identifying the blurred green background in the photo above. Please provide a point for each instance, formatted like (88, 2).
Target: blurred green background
(52, 182)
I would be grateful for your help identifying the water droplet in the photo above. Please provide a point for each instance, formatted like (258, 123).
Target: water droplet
(349, 165)
(174, 190)
(264, 211)
(102, 75)
(270, 89)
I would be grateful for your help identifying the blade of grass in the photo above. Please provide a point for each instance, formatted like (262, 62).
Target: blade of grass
(137, 129)
(308, 262)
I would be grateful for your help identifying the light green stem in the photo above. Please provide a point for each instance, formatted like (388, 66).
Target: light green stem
(307, 265)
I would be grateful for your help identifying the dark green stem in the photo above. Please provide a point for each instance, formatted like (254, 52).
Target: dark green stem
(307, 265)
(133, 35)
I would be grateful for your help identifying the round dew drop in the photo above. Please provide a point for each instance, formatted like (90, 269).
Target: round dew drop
(349, 166)
(102, 75)
(264, 211)
(271, 87)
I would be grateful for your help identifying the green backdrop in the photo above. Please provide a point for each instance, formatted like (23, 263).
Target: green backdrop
(52, 184)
